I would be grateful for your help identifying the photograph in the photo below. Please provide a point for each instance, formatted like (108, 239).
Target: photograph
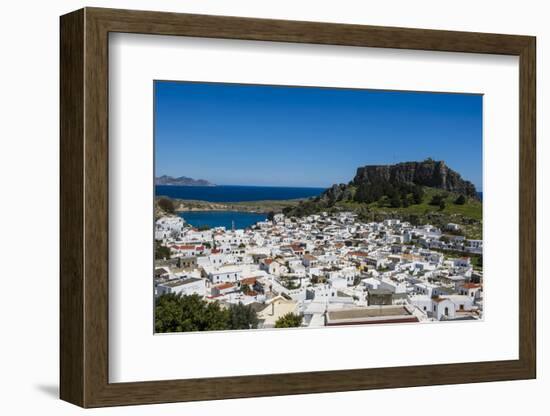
(279, 206)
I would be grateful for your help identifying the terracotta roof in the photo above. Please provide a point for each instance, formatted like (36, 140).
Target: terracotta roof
(248, 281)
(185, 247)
(222, 286)
(358, 253)
(471, 285)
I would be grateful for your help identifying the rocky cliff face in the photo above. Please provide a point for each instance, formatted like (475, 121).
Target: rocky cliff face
(336, 193)
(435, 174)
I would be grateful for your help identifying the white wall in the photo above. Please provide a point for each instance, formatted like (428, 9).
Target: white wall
(29, 167)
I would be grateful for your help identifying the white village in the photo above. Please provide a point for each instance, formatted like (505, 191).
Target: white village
(326, 269)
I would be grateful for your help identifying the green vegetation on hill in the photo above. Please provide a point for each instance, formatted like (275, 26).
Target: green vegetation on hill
(425, 205)
(431, 203)
(166, 204)
(170, 206)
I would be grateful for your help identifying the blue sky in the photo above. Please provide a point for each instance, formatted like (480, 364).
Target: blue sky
(233, 134)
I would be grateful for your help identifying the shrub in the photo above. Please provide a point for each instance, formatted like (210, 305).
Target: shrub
(161, 252)
(436, 199)
(167, 205)
(418, 194)
(395, 201)
(242, 317)
(177, 313)
(290, 320)
(181, 313)
(461, 200)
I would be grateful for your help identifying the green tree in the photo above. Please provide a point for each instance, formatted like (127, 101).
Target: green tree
(168, 314)
(214, 318)
(442, 205)
(161, 252)
(167, 205)
(362, 194)
(290, 320)
(395, 200)
(287, 210)
(478, 261)
(203, 227)
(242, 317)
(436, 199)
(270, 215)
(418, 194)
(461, 200)
(177, 313)
(445, 238)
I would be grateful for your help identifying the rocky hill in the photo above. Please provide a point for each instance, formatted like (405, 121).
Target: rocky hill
(431, 173)
(428, 173)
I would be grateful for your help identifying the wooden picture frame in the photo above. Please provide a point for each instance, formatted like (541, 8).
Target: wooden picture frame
(84, 207)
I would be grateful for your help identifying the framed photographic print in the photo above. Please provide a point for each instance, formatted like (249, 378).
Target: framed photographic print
(260, 207)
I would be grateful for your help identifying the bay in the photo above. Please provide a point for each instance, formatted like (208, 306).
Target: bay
(226, 219)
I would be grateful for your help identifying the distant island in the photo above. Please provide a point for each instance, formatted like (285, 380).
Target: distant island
(181, 181)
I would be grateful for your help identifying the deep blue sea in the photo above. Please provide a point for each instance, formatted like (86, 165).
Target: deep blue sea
(232, 193)
(222, 218)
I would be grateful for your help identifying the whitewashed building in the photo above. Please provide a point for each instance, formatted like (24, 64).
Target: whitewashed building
(189, 286)
(168, 227)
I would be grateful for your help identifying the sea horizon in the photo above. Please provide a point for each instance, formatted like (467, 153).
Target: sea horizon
(237, 193)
